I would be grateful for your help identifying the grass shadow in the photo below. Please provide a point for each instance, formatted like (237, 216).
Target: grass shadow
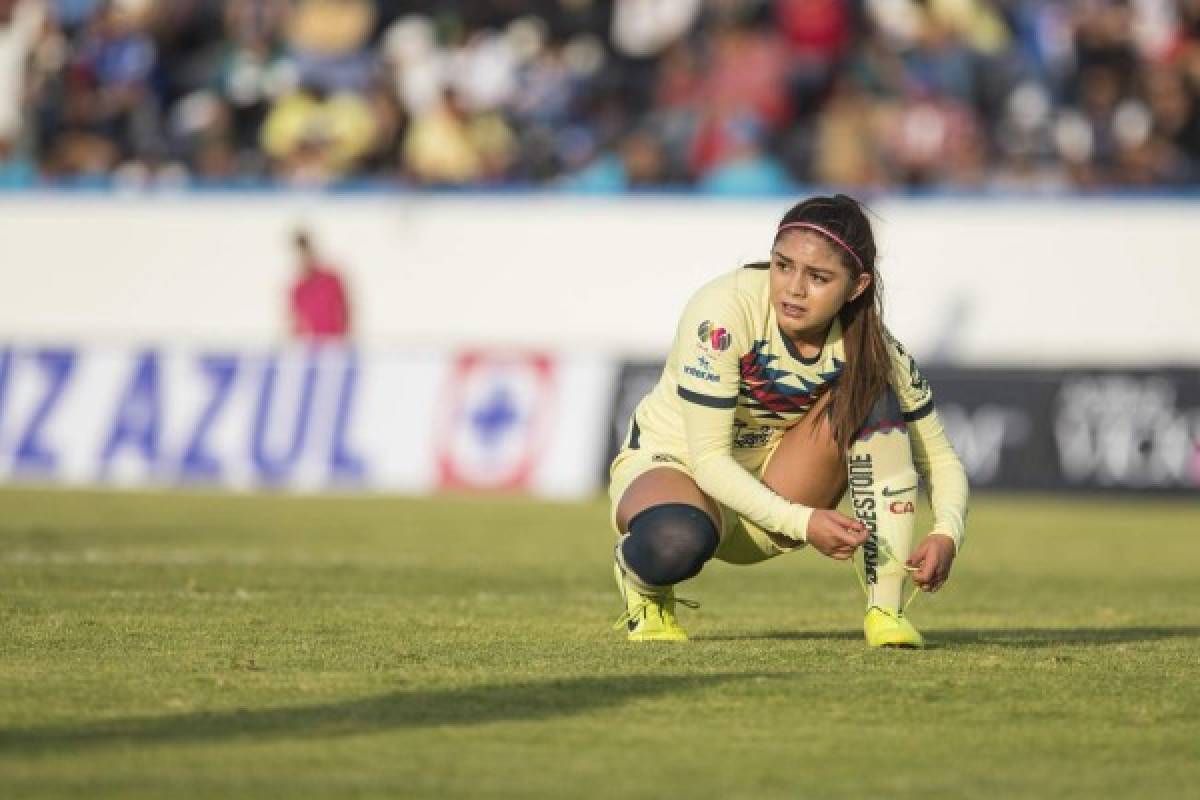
(396, 710)
(1033, 638)
(954, 638)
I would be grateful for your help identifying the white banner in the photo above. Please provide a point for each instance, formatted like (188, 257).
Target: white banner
(302, 419)
(968, 281)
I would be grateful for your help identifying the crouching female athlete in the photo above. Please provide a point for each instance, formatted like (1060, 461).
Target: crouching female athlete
(783, 390)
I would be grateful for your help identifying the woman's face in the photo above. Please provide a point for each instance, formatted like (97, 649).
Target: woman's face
(810, 284)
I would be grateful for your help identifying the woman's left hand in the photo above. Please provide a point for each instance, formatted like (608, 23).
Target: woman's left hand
(933, 559)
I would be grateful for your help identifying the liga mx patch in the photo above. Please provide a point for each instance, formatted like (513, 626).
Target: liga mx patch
(496, 420)
(714, 336)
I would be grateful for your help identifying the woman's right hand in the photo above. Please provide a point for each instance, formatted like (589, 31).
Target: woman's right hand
(835, 535)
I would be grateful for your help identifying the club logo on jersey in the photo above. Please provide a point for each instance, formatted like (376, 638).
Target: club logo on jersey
(714, 336)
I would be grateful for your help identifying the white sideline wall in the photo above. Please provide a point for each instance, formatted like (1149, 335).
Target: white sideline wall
(1037, 282)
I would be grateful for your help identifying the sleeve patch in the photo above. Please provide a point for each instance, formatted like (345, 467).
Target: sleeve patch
(712, 335)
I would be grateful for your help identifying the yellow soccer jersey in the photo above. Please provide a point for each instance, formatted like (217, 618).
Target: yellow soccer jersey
(734, 384)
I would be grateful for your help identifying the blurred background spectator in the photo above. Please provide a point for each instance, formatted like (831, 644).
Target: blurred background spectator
(727, 96)
(318, 304)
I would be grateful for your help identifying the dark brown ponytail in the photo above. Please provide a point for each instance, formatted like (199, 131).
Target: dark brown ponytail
(867, 369)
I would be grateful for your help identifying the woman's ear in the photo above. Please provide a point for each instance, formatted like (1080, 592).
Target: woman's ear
(860, 285)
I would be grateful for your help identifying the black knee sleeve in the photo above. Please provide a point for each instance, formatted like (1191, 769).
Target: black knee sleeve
(669, 543)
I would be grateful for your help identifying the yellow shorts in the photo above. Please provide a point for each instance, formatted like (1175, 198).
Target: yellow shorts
(742, 542)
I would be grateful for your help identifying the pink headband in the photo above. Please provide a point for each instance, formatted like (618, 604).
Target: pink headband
(828, 233)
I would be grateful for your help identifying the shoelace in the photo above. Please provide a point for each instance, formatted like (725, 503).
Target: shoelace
(887, 550)
(639, 609)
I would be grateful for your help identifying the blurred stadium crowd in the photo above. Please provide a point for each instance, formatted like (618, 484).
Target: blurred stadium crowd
(724, 96)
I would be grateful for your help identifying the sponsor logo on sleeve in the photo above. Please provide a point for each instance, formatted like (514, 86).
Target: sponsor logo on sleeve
(702, 372)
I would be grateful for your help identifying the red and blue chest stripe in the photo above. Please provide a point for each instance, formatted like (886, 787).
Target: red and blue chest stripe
(773, 393)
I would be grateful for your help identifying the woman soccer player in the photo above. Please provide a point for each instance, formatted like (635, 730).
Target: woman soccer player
(782, 390)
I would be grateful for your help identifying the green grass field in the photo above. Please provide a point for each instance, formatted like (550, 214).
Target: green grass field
(201, 646)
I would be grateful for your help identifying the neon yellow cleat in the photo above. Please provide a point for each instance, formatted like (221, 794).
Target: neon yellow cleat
(649, 617)
(890, 629)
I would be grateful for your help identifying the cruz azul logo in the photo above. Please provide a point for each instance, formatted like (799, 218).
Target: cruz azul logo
(714, 336)
(496, 420)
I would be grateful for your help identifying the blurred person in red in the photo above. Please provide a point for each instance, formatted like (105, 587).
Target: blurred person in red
(817, 35)
(319, 308)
